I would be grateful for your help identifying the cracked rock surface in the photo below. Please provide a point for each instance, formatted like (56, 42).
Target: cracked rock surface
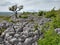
(22, 32)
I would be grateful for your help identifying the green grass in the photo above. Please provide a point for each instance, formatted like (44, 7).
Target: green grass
(50, 36)
(4, 18)
(23, 16)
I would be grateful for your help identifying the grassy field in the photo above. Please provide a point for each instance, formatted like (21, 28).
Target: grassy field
(4, 18)
(50, 36)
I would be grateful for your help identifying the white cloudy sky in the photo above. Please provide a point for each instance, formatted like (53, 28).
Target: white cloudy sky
(30, 5)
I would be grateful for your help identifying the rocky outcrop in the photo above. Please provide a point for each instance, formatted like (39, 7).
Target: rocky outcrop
(57, 30)
(20, 37)
(22, 32)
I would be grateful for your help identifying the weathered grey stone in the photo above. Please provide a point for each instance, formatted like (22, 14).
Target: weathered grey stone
(11, 33)
(30, 34)
(20, 43)
(1, 40)
(57, 30)
(25, 33)
(9, 38)
(6, 43)
(22, 33)
(14, 41)
(35, 43)
(6, 35)
(28, 41)
(16, 35)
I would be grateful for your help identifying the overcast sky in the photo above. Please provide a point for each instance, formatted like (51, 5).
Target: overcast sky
(30, 5)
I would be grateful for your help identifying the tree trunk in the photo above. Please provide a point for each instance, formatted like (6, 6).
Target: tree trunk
(16, 14)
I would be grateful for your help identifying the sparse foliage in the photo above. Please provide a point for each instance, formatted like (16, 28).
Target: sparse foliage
(40, 13)
(15, 9)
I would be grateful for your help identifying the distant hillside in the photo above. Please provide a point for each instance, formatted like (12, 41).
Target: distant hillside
(5, 13)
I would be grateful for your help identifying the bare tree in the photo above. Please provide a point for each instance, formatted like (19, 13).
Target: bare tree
(15, 9)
